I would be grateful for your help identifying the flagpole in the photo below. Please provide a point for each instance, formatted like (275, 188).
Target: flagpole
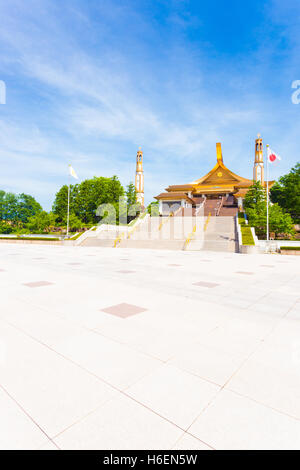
(68, 214)
(267, 196)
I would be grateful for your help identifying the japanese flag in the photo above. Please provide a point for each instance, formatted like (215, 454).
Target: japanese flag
(272, 156)
(73, 172)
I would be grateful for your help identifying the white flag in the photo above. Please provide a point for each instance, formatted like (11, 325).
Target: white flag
(73, 172)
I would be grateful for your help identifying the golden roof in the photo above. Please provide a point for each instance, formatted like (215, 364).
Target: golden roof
(219, 179)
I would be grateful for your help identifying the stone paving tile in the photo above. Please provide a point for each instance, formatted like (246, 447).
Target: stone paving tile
(38, 284)
(235, 422)
(121, 424)
(242, 335)
(209, 363)
(17, 430)
(124, 310)
(209, 285)
(188, 442)
(117, 364)
(51, 389)
(191, 392)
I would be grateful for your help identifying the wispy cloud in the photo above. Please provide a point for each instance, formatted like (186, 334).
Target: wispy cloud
(90, 83)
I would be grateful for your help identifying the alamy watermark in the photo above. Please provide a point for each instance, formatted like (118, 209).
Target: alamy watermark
(2, 92)
(164, 225)
(296, 94)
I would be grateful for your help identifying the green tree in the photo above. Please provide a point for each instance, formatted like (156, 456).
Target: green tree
(131, 194)
(279, 221)
(60, 205)
(10, 207)
(86, 197)
(286, 192)
(18, 208)
(153, 209)
(74, 223)
(2, 196)
(5, 227)
(27, 207)
(41, 222)
(133, 206)
(255, 197)
(256, 208)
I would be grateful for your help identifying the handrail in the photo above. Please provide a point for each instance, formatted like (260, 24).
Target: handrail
(220, 207)
(83, 236)
(191, 235)
(202, 205)
(207, 221)
(137, 224)
(167, 218)
(172, 214)
(118, 239)
(189, 238)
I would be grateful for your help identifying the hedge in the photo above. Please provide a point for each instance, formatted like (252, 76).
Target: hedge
(291, 248)
(241, 218)
(31, 238)
(247, 237)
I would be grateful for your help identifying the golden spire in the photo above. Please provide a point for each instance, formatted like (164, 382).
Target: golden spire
(219, 153)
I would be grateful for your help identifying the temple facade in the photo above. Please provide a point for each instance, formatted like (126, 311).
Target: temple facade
(219, 188)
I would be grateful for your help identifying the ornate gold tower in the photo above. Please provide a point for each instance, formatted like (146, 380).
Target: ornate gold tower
(139, 177)
(258, 170)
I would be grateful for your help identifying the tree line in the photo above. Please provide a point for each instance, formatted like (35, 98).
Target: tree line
(22, 213)
(284, 210)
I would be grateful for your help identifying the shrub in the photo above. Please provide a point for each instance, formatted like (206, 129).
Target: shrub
(291, 248)
(247, 237)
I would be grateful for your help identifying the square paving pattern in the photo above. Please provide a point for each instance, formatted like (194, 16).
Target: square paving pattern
(124, 310)
(209, 285)
(38, 284)
(148, 356)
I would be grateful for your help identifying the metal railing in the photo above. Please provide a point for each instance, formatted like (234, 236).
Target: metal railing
(192, 234)
(189, 238)
(172, 214)
(207, 222)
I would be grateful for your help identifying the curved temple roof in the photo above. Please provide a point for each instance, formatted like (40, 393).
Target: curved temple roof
(219, 179)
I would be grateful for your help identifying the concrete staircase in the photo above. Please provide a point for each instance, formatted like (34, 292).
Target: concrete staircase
(169, 233)
(211, 206)
(104, 237)
(229, 208)
(220, 234)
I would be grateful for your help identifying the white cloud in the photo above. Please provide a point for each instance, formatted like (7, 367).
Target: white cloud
(99, 102)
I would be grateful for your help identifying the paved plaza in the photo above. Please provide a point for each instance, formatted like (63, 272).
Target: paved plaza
(104, 348)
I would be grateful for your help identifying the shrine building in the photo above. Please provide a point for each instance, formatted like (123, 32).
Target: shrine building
(221, 189)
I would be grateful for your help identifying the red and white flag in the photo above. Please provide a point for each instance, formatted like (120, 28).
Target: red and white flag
(272, 156)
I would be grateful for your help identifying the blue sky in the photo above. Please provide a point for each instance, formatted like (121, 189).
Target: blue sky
(89, 81)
